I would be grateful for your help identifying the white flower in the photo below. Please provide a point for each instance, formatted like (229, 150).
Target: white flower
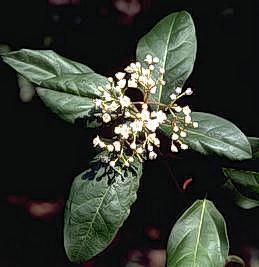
(96, 141)
(173, 96)
(183, 134)
(150, 148)
(120, 75)
(163, 82)
(188, 119)
(132, 83)
(127, 114)
(144, 106)
(186, 110)
(133, 146)
(139, 150)
(110, 79)
(175, 136)
(102, 144)
(112, 163)
(178, 90)
(155, 59)
(136, 125)
(153, 90)
(184, 146)
(148, 59)
(162, 70)
(188, 91)
(128, 69)
(152, 124)
(122, 83)
(98, 102)
(117, 130)
(176, 128)
(151, 67)
(124, 101)
(195, 124)
(106, 118)
(126, 163)
(145, 114)
(174, 148)
(107, 96)
(130, 159)
(113, 106)
(161, 116)
(110, 147)
(124, 131)
(152, 155)
(117, 146)
(178, 108)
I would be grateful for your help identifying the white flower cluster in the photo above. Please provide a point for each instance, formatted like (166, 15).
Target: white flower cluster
(136, 138)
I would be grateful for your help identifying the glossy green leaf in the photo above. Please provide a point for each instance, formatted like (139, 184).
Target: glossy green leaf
(84, 85)
(98, 204)
(248, 179)
(70, 107)
(173, 41)
(215, 136)
(254, 142)
(240, 200)
(40, 65)
(198, 238)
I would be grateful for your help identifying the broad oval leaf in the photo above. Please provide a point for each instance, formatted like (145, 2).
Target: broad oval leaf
(40, 65)
(248, 179)
(215, 136)
(85, 84)
(71, 107)
(240, 200)
(97, 207)
(199, 238)
(254, 142)
(173, 41)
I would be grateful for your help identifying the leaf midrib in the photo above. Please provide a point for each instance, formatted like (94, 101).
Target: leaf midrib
(199, 233)
(165, 54)
(92, 222)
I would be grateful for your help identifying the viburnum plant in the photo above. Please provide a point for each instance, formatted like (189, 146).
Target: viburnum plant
(101, 197)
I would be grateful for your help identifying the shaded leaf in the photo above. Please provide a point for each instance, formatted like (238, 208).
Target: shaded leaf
(98, 204)
(239, 199)
(198, 238)
(70, 107)
(254, 142)
(40, 65)
(247, 179)
(173, 41)
(215, 136)
(84, 85)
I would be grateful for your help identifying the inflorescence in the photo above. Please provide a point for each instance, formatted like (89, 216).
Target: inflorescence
(136, 138)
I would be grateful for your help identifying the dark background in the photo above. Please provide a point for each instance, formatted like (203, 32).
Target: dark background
(41, 154)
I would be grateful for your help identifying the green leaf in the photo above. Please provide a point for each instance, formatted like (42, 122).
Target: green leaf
(239, 199)
(40, 65)
(173, 41)
(247, 179)
(254, 142)
(97, 207)
(215, 136)
(70, 107)
(199, 238)
(84, 85)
